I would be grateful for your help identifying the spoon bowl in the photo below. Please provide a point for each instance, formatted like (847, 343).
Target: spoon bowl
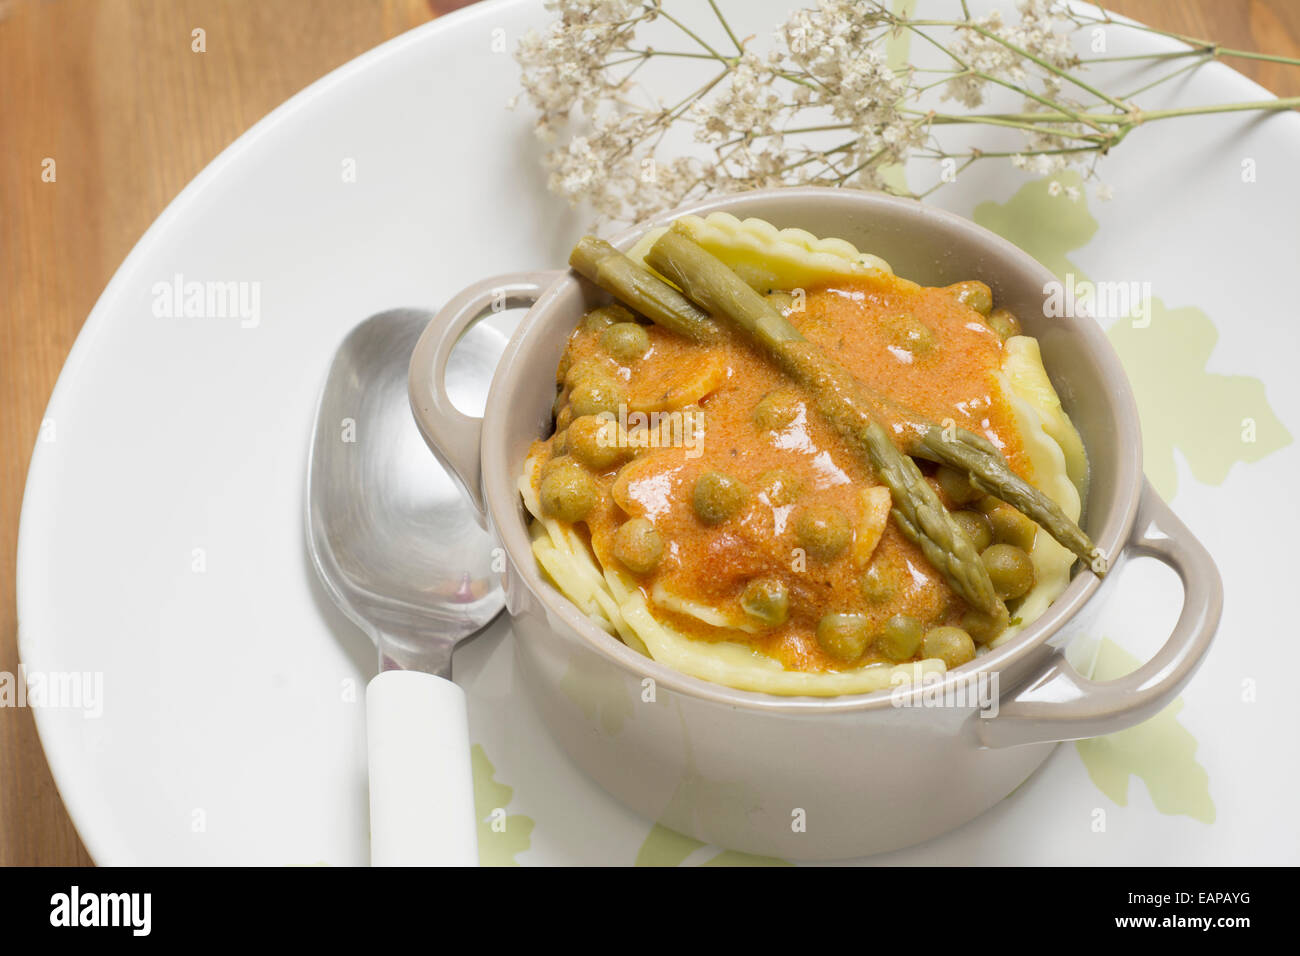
(388, 530)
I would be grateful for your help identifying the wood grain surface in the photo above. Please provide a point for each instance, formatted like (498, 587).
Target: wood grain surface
(112, 91)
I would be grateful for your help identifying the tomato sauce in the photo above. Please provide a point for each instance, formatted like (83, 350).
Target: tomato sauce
(918, 346)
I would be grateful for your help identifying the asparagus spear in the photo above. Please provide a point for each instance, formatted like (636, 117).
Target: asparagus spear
(723, 293)
(637, 287)
(922, 518)
(990, 473)
(918, 510)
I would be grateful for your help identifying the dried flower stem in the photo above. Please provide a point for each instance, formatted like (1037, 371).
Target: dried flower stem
(832, 67)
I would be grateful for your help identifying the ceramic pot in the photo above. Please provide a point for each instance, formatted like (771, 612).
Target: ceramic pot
(821, 778)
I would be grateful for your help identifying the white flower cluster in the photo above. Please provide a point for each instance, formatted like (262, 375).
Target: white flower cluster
(566, 66)
(749, 105)
(988, 49)
(827, 67)
(827, 39)
(837, 46)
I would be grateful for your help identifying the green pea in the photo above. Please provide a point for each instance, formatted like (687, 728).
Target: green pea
(906, 331)
(843, 636)
(899, 638)
(974, 295)
(599, 393)
(638, 441)
(1004, 323)
(593, 441)
(585, 369)
(956, 486)
(974, 524)
(564, 418)
(823, 531)
(1011, 527)
(717, 496)
(951, 645)
(597, 320)
(766, 600)
(562, 370)
(639, 546)
(626, 341)
(1010, 569)
(781, 486)
(777, 410)
(879, 583)
(982, 627)
(560, 444)
(568, 491)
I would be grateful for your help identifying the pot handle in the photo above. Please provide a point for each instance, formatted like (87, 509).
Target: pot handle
(1061, 704)
(454, 436)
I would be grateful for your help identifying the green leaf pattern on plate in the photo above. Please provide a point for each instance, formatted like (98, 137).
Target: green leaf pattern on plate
(501, 835)
(1160, 751)
(1214, 420)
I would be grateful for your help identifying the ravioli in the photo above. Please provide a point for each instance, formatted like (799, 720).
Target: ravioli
(769, 258)
(689, 612)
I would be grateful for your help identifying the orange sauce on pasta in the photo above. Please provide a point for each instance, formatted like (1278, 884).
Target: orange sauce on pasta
(952, 378)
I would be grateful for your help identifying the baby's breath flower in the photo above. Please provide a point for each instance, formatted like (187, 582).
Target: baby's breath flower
(819, 100)
(748, 106)
(989, 50)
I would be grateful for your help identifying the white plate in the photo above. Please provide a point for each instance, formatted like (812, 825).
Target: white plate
(162, 538)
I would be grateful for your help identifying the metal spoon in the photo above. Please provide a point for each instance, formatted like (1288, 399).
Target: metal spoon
(398, 550)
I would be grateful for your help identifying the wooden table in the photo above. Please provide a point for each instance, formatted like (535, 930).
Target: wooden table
(111, 89)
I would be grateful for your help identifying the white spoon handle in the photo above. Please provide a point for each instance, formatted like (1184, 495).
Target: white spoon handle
(421, 787)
